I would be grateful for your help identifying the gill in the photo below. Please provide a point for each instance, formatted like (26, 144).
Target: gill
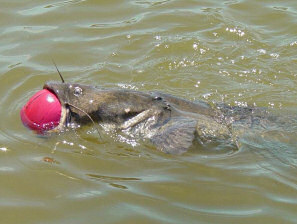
(68, 105)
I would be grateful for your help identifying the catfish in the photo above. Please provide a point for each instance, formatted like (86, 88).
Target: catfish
(170, 123)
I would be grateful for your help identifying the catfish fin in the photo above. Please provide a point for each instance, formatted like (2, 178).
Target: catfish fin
(176, 136)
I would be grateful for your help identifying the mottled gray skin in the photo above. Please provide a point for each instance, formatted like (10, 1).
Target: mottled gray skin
(170, 123)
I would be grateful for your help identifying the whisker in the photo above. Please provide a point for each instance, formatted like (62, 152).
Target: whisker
(87, 116)
(58, 71)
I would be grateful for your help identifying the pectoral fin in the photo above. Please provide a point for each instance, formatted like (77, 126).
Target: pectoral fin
(176, 136)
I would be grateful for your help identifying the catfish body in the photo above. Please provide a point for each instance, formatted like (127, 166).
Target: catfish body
(170, 123)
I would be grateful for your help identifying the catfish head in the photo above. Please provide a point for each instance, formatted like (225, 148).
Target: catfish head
(76, 101)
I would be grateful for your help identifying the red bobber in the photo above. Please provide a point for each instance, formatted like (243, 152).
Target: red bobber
(42, 112)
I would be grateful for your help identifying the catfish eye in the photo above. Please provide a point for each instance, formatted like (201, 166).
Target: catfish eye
(77, 91)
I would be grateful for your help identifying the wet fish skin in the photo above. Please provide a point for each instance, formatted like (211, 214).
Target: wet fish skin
(169, 122)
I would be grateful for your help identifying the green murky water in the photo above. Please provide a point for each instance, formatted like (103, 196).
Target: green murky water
(239, 52)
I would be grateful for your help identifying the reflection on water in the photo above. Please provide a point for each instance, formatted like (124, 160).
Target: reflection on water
(199, 50)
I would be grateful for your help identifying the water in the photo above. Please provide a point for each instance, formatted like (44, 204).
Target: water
(239, 52)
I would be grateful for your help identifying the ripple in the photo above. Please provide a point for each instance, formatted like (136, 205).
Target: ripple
(42, 9)
(86, 194)
(6, 169)
(30, 29)
(150, 3)
(109, 178)
(122, 23)
(225, 212)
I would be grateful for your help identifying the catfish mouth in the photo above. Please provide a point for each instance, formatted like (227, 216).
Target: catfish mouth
(65, 111)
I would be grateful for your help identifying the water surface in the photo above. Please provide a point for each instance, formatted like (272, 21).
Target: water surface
(238, 52)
